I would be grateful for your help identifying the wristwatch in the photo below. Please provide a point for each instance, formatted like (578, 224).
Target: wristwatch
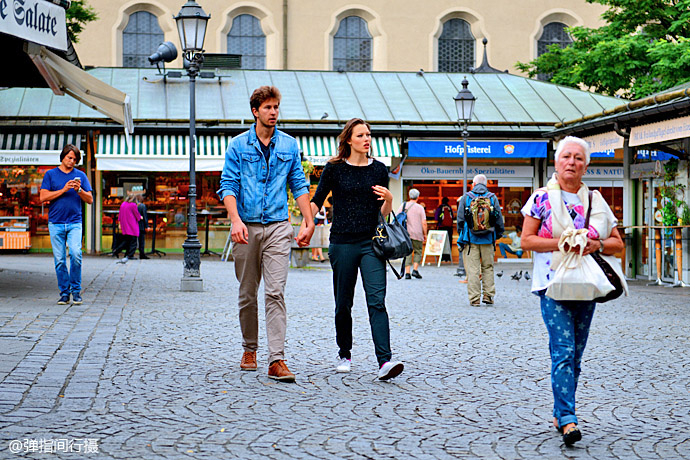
(601, 245)
(80, 190)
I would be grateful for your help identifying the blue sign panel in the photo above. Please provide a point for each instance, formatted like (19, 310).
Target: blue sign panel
(655, 155)
(477, 149)
(603, 154)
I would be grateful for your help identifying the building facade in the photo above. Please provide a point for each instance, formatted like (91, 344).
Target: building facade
(371, 35)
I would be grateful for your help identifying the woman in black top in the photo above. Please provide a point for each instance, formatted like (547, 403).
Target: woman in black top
(359, 186)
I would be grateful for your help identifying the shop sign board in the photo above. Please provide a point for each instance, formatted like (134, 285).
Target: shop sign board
(477, 149)
(456, 173)
(661, 131)
(597, 172)
(604, 144)
(29, 157)
(646, 170)
(37, 21)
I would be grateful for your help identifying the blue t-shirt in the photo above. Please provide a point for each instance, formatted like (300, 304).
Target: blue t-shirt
(65, 209)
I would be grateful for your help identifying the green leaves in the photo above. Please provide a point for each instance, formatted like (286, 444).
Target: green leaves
(78, 15)
(644, 48)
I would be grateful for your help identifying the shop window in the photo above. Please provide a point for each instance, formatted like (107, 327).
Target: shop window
(456, 47)
(20, 195)
(165, 193)
(140, 39)
(554, 34)
(247, 39)
(352, 46)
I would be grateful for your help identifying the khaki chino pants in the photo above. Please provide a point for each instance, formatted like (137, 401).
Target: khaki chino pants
(267, 255)
(479, 258)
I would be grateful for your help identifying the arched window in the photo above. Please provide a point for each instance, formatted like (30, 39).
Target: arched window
(554, 34)
(456, 47)
(352, 45)
(247, 38)
(140, 39)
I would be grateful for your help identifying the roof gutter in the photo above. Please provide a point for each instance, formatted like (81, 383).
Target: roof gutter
(621, 118)
(630, 106)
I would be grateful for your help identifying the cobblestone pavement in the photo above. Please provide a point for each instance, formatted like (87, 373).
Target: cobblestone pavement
(149, 372)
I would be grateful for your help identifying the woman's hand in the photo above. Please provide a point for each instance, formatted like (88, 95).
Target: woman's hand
(590, 247)
(386, 196)
(383, 193)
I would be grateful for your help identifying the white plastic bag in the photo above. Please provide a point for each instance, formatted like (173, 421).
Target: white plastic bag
(576, 277)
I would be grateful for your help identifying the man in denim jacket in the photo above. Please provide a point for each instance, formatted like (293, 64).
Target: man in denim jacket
(258, 165)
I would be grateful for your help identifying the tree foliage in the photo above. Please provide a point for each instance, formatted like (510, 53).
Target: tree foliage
(78, 15)
(643, 48)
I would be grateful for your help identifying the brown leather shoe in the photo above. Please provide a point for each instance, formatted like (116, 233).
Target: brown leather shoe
(248, 362)
(278, 370)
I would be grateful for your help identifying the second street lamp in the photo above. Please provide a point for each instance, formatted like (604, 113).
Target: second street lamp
(191, 25)
(464, 104)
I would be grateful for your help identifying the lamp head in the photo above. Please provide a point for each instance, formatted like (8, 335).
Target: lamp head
(191, 25)
(464, 102)
(166, 52)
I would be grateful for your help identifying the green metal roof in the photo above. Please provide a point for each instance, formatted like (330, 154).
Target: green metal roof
(418, 101)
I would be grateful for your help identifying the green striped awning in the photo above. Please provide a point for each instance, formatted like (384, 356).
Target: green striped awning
(35, 149)
(159, 152)
(327, 146)
(160, 145)
(53, 142)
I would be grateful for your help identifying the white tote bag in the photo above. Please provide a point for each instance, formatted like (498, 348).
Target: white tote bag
(576, 277)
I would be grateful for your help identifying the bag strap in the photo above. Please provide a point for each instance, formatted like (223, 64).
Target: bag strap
(589, 211)
(402, 268)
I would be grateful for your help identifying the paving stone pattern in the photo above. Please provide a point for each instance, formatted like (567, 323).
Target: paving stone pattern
(153, 373)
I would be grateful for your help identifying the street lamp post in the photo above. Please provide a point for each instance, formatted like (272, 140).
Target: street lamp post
(191, 25)
(464, 104)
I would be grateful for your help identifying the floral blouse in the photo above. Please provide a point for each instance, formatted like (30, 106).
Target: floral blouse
(538, 207)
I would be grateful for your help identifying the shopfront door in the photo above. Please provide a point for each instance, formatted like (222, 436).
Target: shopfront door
(652, 204)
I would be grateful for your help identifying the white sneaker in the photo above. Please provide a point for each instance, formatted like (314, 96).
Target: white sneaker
(343, 366)
(124, 260)
(390, 369)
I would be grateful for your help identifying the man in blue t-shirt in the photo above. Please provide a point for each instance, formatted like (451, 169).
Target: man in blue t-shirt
(66, 187)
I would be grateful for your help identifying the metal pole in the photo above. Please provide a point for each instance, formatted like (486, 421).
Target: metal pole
(465, 133)
(191, 278)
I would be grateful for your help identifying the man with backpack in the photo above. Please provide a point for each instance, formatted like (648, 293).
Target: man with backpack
(480, 224)
(444, 219)
(413, 216)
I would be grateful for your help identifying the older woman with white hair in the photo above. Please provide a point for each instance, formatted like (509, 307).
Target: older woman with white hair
(562, 204)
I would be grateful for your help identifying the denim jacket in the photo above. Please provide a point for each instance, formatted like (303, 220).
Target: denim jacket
(260, 188)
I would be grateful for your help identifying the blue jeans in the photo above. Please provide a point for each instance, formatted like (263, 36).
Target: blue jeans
(568, 325)
(61, 236)
(504, 247)
(346, 260)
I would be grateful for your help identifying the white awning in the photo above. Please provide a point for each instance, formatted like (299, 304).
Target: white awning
(159, 153)
(63, 77)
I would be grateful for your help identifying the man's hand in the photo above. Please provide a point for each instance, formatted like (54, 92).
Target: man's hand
(306, 230)
(239, 233)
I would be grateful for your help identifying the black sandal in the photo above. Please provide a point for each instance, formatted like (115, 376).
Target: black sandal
(571, 436)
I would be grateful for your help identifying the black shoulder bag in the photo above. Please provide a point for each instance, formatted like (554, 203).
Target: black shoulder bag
(392, 241)
(611, 275)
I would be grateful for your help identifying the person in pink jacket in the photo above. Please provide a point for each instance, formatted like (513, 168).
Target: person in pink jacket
(129, 225)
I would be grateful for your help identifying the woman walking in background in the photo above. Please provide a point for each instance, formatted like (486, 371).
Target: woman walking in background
(129, 226)
(359, 186)
(562, 204)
